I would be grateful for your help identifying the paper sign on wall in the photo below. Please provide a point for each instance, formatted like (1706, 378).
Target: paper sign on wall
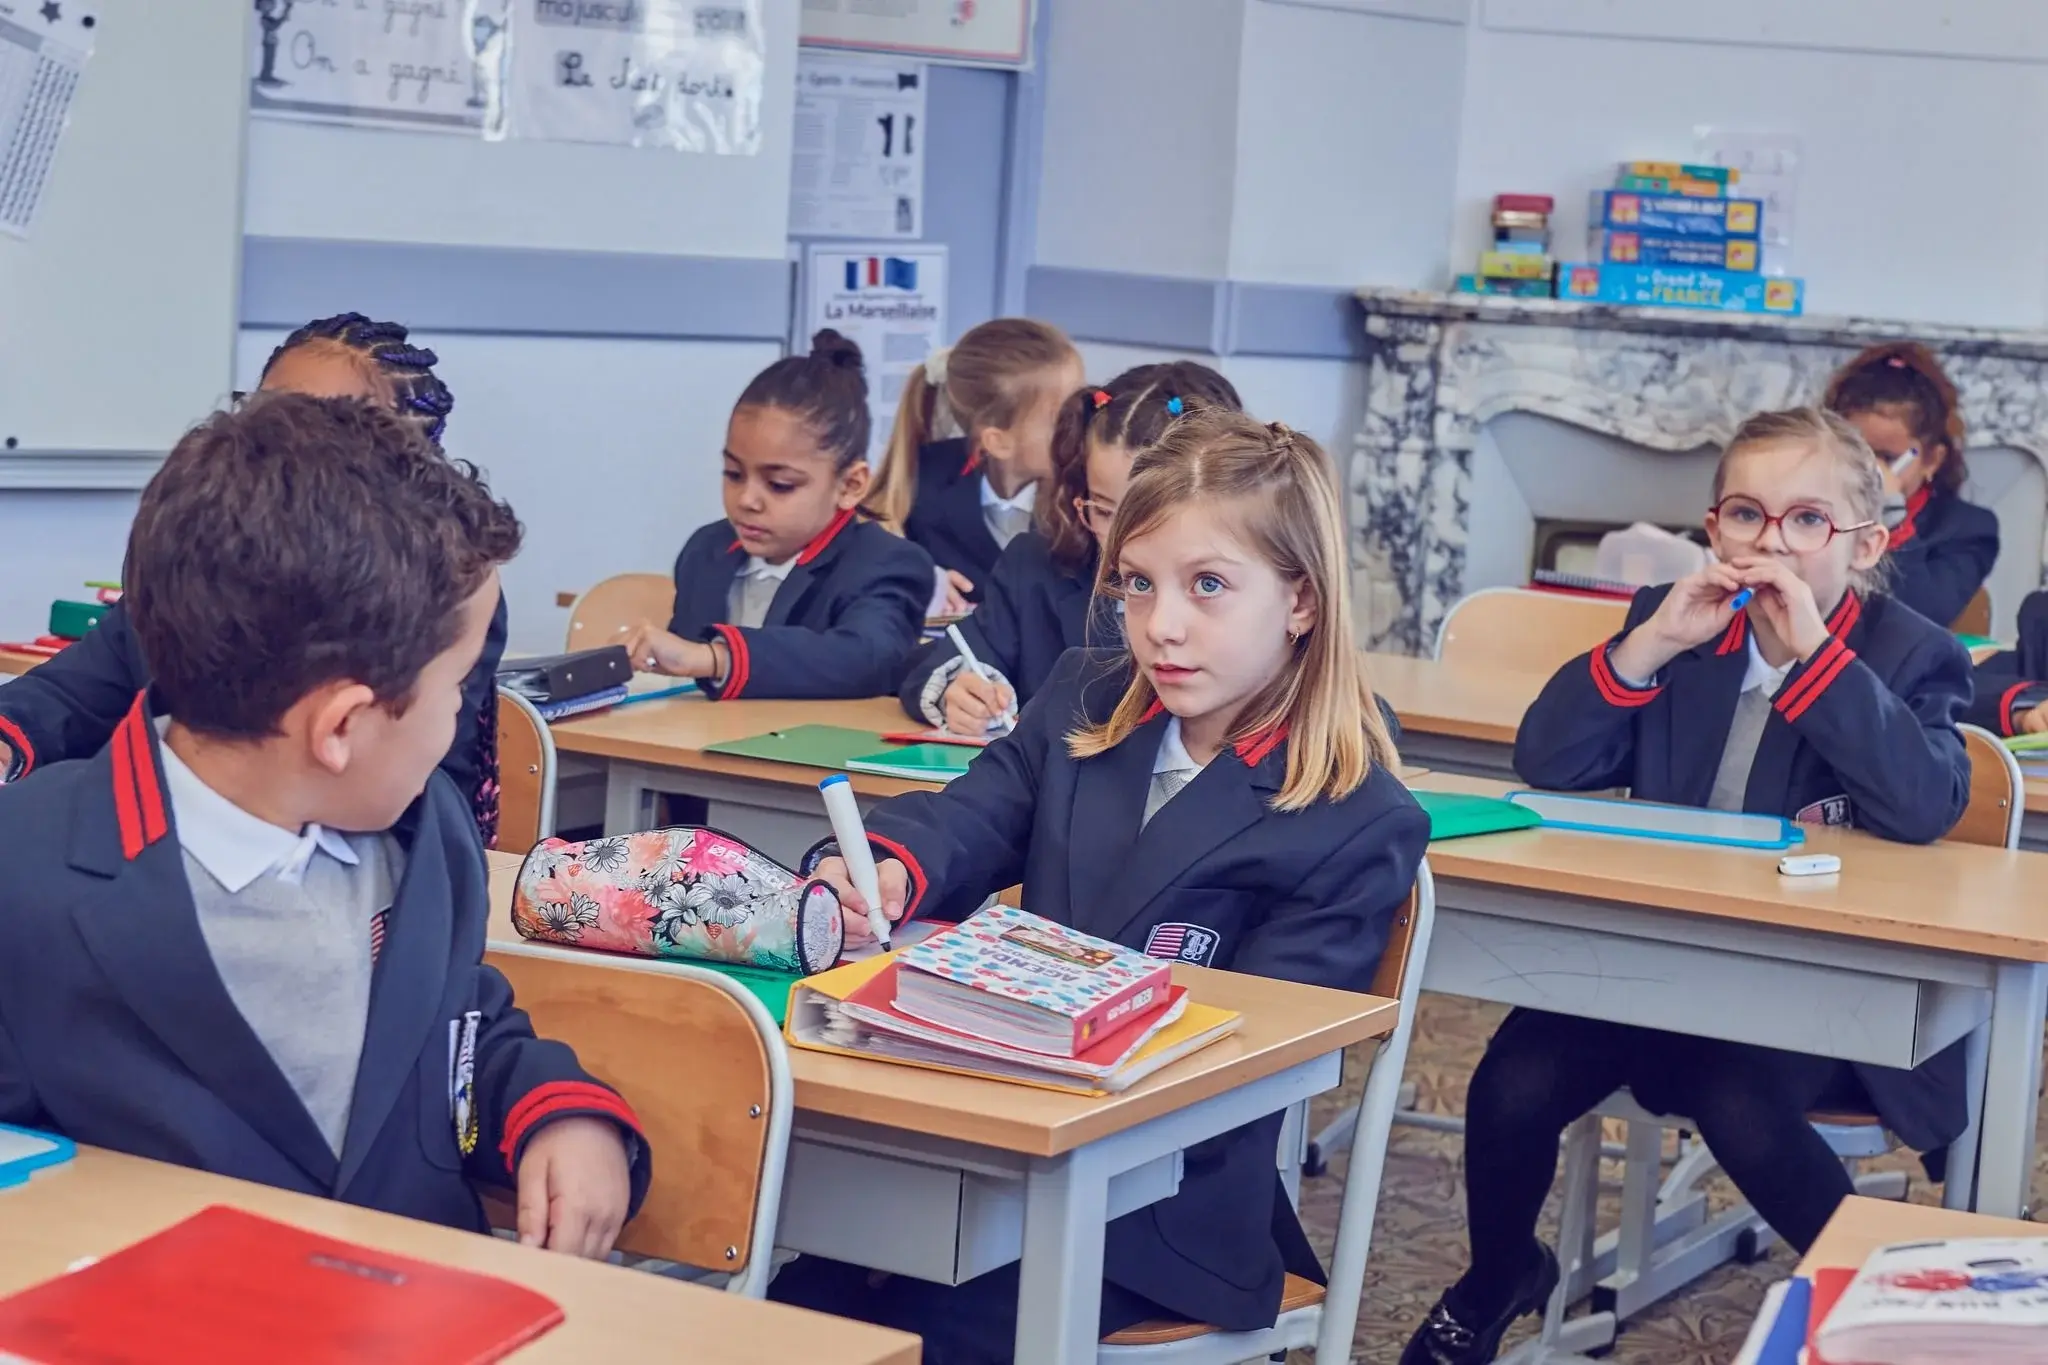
(43, 51)
(889, 298)
(971, 32)
(857, 168)
(682, 74)
(419, 64)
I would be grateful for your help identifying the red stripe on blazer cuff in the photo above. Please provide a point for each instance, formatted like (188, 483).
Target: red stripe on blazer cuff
(2005, 701)
(24, 752)
(1612, 689)
(1826, 680)
(1807, 676)
(557, 1099)
(918, 881)
(739, 665)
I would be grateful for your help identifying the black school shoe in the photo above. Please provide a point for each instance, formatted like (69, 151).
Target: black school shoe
(1444, 1340)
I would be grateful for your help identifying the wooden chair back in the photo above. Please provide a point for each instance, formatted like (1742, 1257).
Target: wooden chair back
(1975, 619)
(1998, 793)
(1525, 631)
(604, 613)
(708, 1074)
(526, 775)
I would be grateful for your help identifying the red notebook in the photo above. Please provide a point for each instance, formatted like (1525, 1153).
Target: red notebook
(226, 1287)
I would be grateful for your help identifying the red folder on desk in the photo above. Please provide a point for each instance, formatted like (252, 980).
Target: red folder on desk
(226, 1287)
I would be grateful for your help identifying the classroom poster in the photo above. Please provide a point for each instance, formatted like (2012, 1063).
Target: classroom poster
(857, 166)
(44, 45)
(967, 32)
(890, 299)
(678, 74)
(421, 64)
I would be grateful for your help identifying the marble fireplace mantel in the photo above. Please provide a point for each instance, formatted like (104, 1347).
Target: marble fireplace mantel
(1667, 379)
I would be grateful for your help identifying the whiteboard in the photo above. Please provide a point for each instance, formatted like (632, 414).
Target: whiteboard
(118, 314)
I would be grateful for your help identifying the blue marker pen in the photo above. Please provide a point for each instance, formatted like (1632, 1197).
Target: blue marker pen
(1741, 599)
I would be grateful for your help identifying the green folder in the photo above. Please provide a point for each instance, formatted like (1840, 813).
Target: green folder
(915, 762)
(2026, 744)
(1454, 815)
(814, 746)
(1975, 642)
(771, 988)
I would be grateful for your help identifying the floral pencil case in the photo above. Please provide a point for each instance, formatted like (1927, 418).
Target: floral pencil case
(687, 892)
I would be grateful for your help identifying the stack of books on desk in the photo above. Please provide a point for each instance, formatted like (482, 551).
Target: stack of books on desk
(563, 685)
(1009, 996)
(2032, 753)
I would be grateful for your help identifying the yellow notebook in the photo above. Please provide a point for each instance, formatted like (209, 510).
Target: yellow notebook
(815, 1023)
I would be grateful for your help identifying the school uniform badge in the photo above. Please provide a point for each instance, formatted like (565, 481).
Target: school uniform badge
(1180, 942)
(1833, 810)
(462, 1079)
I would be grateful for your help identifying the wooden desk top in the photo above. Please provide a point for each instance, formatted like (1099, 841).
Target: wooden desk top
(1284, 1024)
(1957, 897)
(2037, 795)
(1433, 699)
(1861, 1226)
(104, 1201)
(14, 661)
(672, 733)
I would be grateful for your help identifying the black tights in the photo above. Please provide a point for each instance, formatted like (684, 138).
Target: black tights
(1543, 1071)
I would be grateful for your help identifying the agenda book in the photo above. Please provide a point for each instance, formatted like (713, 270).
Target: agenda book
(1024, 982)
(1975, 1298)
(225, 1287)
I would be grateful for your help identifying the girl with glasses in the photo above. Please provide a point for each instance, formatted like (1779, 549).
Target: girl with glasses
(1777, 679)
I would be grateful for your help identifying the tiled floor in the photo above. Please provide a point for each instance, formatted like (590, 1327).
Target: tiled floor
(1419, 1243)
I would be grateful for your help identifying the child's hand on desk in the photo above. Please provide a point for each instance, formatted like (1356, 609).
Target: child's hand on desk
(2033, 721)
(574, 1187)
(6, 759)
(1786, 602)
(973, 703)
(890, 875)
(655, 650)
(1692, 613)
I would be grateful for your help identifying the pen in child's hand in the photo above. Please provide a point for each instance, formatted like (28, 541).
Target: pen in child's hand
(1900, 465)
(853, 849)
(1741, 599)
(967, 656)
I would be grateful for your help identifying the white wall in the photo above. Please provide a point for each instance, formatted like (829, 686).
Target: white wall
(51, 545)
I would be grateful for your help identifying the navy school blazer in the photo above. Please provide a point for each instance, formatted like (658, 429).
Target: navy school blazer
(1863, 734)
(2011, 683)
(1217, 878)
(1941, 554)
(946, 517)
(68, 708)
(841, 625)
(1032, 611)
(115, 1028)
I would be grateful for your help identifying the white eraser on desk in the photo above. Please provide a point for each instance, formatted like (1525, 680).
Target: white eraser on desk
(1808, 864)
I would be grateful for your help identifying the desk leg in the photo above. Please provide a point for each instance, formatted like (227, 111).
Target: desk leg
(1959, 1189)
(2005, 1163)
(628, 801)
(1059, 1298)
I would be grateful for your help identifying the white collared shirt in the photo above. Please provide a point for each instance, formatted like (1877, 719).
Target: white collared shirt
(1761, 674)
(1007, 518)
(234, 846)
(754, 587)
(1172, 769)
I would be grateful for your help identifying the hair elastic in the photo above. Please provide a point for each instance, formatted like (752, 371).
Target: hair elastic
(1174, 406)
(935, 366)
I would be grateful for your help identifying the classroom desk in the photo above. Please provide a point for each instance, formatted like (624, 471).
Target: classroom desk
(103, 1201)
(14, 662)
(949, 1176)
(1861, 1226)
(2034, 822)
(1906, 951)
(1455, 720)
(657, 747)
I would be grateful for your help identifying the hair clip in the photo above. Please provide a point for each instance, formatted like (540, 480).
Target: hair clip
(1174, 406)
(1100, 399)
(935, 366)
(1897, 362)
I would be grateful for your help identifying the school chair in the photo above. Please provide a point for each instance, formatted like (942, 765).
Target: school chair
(707, 1072)
(1311, 1315)
(1975, 618)
(607, 611)
(1665, 1240)
(1524, 631)
(526, 775)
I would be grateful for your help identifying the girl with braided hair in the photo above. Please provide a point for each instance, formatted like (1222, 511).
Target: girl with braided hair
(1897, 396)
(68, 708)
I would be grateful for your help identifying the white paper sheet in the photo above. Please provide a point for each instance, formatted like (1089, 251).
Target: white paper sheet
(44, 46)
(418, 64)
(889, 298)
(857, 167)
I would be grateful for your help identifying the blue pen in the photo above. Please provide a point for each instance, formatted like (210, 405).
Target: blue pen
(1741, 599)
